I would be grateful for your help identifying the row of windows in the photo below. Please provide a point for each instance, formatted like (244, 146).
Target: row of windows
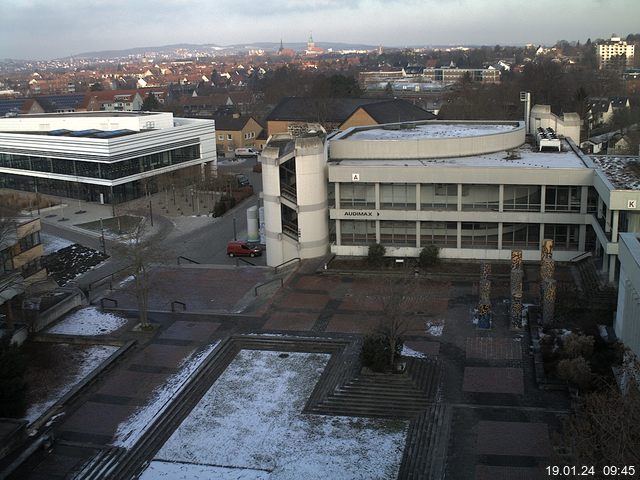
(444, 196)
(445, 234)
(107, 171)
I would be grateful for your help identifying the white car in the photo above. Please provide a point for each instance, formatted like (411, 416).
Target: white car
(246, 152)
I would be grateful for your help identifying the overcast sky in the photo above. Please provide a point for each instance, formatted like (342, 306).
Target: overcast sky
(43, 29)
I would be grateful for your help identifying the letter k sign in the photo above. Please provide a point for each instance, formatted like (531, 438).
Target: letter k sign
(632, 204)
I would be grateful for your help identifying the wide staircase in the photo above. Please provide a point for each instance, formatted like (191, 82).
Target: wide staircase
(404, 395)
(594, 289)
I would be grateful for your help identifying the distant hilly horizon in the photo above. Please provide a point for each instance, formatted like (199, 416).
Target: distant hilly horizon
(269, 46)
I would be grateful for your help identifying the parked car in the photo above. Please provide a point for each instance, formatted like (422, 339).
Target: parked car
(242, 249)
(246, 152)
(242, 180)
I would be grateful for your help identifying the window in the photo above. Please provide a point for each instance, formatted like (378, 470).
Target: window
(441, 234)
(480, 197)
(398, 196)
(439, 196)
(524, 198)
(562, 199)
(29, 241)
(479, 235)
(357, 196)
(398, 233)
(565, 237)
(220, 137)
(357, 232)
(520, 235)
(229, 136)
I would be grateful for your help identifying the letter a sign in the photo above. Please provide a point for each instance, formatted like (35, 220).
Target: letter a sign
(355, 177)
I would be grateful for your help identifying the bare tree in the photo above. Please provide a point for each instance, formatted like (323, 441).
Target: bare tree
(399, 301)
(603, 429)
(141, 251)
(10, 279)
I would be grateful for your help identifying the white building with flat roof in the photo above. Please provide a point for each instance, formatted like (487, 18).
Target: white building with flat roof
(101, 156)
(609, 51)
(627, 323)
(476, 190)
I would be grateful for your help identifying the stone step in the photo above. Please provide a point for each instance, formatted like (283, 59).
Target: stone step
(101, 465)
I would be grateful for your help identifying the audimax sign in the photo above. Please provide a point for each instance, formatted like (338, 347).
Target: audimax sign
(361, 213)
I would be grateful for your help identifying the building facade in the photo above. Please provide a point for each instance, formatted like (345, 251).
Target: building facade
(627, 323)
(615, 52)
(476, 190)
(102, 156)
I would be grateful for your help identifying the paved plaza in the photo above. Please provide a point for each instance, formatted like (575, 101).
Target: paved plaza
(498, 424)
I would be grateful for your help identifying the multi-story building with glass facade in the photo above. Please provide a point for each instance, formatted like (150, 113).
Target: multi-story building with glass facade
(477, 190)
(101, 156)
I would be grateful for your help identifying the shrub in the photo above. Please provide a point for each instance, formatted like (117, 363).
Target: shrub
(376, 352)
(429, 256)
(578, 346)
(219, 208)
(375, 257)
(576, 371)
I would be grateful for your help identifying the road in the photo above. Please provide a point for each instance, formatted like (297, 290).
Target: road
(203, 239)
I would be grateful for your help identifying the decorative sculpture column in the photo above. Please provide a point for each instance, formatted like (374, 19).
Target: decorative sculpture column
(548, 301)
(517, 278)
(484, 304)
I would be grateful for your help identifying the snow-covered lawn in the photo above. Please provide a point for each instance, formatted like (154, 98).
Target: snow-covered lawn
(88, 321)
(251, 421)
(130, 431)
(51, 243)
(82, 360)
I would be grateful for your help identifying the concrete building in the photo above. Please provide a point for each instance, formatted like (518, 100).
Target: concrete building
(627, 323)
(477, 190)
(102, 156)
(609, 51)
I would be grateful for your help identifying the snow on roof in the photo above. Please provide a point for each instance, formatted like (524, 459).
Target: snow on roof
(523, 157)
(436, 130)
(622, 172)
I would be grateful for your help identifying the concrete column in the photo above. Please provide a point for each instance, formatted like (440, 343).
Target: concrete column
(541, 234)
(500, 235)
(607, 221)
(614, 226)
(612, 268)
(459, 235)
(377, 231)
(418, 200)
(338, 233)
(418, 242)
(501, 201)
(377, 194)
(600, 204)
(584, 197)
(605, 261)
(543, 197)
(337, 194)
(459, 197)
(582, 237)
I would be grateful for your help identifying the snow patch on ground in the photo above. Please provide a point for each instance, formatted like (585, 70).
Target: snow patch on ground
(232, 161)
(409, 352)
(130, 431)
(51, 243)
(88, 361)
(88, 321)
(251, 418)
(435, 328)
(188, 471)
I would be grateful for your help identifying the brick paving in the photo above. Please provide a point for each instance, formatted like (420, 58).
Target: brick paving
(491, 348)
(492, 435)
(493, 380)
(513, 438)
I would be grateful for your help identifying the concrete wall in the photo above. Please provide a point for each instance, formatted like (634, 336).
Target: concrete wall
(568, 125)
(46, 318)
(627, 322)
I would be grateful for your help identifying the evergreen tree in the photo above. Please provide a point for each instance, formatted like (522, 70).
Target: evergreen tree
(150, 103)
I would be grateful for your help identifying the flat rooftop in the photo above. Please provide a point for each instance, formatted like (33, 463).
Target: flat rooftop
(431, 131)
(86, 114)
(525, 156)
(622, 172)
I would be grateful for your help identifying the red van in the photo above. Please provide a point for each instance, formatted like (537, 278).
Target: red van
(242, 249)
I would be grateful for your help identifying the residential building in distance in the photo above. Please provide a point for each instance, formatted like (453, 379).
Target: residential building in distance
(476, 190)
(235, 132)
(611, 51)
(296, 115)
(102, 156)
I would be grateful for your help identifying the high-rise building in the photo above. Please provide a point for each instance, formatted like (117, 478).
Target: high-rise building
(610, 51)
